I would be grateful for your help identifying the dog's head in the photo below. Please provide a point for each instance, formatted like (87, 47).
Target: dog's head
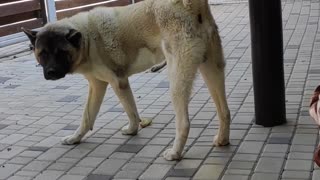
(57, 49)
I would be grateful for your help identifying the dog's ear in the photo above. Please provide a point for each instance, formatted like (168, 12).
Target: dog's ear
(31, 35)
(74, 37)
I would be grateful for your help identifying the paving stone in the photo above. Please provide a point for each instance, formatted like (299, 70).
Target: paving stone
(264, 176)
(69, 98)
(298, 155)
(255, 130)
(249, 147)
(181, 172)
(276, 148)
(72, 177)
(11, 86)
(7, 170)
(2, 126)
(177, 178)
(299, 165)
(11, 152)
(37, 148)
(98, 177)
(49, 142)
(12, 139)
(150, 151)
(133, 166)
(90, 162)
(19, 178)
(197, 152)
(77, 153)
(305, 139)
(217, 160)
(61, 87)
(131, 174)
(116, 141)
(109, 167)
(114, 109)
(129, 148)
(2, 161)
(103, 151)
(37, 166)
(60, 166)
(301, 148)
(296, 175)
(120, 155)
(269, 165)
(70, 127)
(155, 171)
(147, 133)
(244, 172)
(188, 164)
(235, 177)
(83, 171)
(256, 137)
(241, 165)
(211, 172)
(52, 154)
(28, 174)
(142, 159)
(4, 79)
(237, 134)
(138, 141)
(279, 140)
(20, 160)
(67, 160)
(49, 174)
(163, 118)
(245, 157)
(163, 84)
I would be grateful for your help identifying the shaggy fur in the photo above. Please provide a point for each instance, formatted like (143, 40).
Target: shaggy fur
(107, 45)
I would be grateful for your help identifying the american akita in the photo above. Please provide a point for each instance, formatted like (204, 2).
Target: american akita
(107, 45)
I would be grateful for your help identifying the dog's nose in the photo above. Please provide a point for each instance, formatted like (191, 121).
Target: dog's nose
(51, 73)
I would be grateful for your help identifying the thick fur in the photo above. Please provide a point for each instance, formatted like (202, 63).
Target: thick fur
(118, 42)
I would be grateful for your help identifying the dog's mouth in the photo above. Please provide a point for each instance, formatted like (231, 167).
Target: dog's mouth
(53, 77)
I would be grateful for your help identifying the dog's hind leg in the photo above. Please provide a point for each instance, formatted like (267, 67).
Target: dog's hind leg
(182, 68)
(97, 90)
(212, 71)
(124, 93)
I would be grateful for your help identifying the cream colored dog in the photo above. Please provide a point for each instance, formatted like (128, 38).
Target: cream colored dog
(107, 45)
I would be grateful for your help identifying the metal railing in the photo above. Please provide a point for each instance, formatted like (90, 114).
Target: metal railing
(33, 14)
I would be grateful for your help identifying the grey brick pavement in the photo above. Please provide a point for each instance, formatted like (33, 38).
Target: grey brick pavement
(35, 114)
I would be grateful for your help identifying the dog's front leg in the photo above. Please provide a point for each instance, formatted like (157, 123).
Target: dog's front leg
(97, 90)
(124, 93)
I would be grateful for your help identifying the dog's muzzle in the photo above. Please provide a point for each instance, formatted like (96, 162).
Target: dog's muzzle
(53, 74)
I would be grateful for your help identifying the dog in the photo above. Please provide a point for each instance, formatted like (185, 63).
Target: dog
(108, 45)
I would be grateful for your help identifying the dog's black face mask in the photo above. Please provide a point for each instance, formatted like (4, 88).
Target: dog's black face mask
(55, 51)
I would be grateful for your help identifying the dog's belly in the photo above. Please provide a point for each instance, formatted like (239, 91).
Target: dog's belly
(145, 60)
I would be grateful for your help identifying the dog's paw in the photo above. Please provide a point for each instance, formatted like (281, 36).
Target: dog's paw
(129, 131)
(69, 140)
(145, 122)
(171, 155)
(217, 141)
